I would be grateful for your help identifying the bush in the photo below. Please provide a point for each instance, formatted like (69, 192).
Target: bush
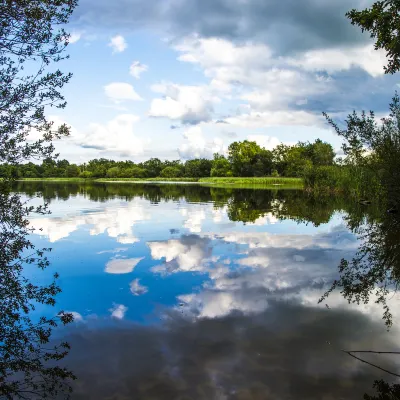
(171, 172)
(85, 174)
(113, 172)
(275, 173)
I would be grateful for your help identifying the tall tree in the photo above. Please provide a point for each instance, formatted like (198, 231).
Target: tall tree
(30, 37)
(382, 21)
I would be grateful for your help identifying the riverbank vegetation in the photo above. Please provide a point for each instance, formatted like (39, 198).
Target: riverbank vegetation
(244, 160)
(371, 164)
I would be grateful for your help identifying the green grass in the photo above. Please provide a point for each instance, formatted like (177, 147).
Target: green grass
(269, 181)
(54, 179)
(147, 180)
(226, 182)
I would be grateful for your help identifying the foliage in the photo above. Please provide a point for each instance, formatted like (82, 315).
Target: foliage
(85, 174)
(198, 168)
(376, 267)
(28, 36)
(246, 159)
(220, 167)
(386, 391)
(30, 41)
(24, 354)
(371, 168)
(171, 172)
(382, 21)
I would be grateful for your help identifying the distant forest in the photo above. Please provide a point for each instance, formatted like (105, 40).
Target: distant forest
(244, 159)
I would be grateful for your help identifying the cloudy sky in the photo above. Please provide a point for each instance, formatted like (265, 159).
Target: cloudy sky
(184, 78)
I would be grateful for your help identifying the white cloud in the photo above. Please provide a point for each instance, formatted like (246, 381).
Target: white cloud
(267, 219)
(269, 82)
(338, 238)
(194, 219)
(137, 68)
(120, 91)
(75, 37)
(122, 266)
(196, 146)
(116, 136)
(118, 311)
(186, 254)
(275, 118)
(118, 44)
(137, 289)
(267, 142)
(213, 304)
(190, 104)
(116, 221)
(334, 60)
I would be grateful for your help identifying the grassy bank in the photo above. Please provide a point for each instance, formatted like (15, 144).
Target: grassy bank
(266, 181)
(249, 182)
(56, 179)
(147, 180)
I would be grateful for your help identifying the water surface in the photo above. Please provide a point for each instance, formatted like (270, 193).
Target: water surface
(191, 292)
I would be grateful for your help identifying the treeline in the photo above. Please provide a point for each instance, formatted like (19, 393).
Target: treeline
(244, 159)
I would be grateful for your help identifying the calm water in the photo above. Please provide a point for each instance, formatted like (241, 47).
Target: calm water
(189, 292)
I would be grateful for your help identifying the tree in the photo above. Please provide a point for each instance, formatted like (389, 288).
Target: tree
(382, 21)
(243, 156)
(86, 175)
(113, 172)
(72, 171)
(25, 351)
(198, 168)
(135, 172)
(297, 162)
(27, 35)
(153, 167)
(321, 153)
(171, 172)
(263, 163)
(28, 38)
(220, 167)
(280, 158)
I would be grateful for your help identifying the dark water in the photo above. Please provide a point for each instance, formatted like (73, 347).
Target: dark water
(191, 292)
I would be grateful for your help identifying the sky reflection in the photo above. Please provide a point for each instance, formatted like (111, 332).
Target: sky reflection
(174, 299)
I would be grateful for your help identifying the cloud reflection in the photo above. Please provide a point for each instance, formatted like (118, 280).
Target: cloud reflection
(281, 353)
(122, 266)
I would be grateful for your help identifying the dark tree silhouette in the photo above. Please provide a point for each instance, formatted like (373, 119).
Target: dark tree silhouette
(31, 38)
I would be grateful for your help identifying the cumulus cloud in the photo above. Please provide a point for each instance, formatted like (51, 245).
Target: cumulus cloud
(194, 219)
(196, 146)
(122, 266)
(118, 44)
(188, 104)
(116, 136)
(75, 37)
(120, 91)
(334, 60)
(137, 68)
(118, 311)
(288, 26)
(116, 221)
(137, 289)
(256, 119)
(189, 253)
(267, 142)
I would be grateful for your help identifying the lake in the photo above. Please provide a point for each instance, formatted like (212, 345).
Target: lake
(197, 292)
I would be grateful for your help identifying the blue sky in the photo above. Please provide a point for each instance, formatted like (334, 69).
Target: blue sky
(183, 79)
